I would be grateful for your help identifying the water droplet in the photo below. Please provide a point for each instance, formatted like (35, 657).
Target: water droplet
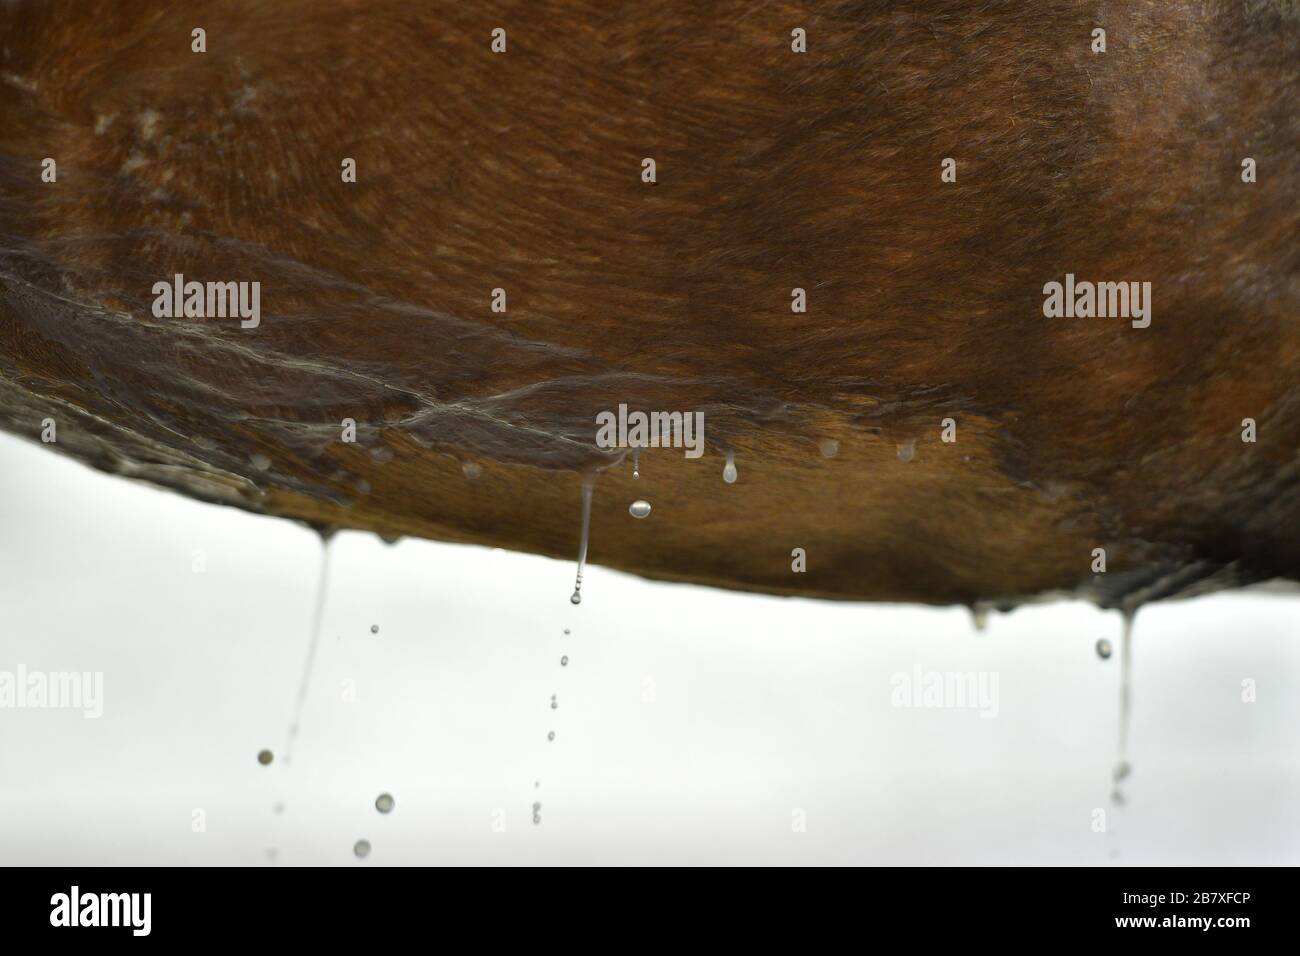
(1122, 770)
(907, 451)
(729, 469)
(471, 469)
(390, 538)
(374, 628)
(829, 447)
(265, 757)
(636, 462)
(1117, 798)
(537, 813)
(554, 703)
(1104, 649)
(566, 631)
(979, 613)
(551, 735)
(259, 461)
(639, 509)
(361, 848)
(564, 661)
(384, 803)
(576, 597)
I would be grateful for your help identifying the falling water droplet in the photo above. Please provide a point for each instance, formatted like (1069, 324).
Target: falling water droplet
(537, 813)
(564, 661)
(554, 703)
(829, 447)
(384, 803)
(576, 597)
(907, 451)
(361, 848)
(639, 509)
(551, 735)
(566, 631)
(729, 469)
(265, 757)
(1122, 767)
(1104, 649)
(374, 628)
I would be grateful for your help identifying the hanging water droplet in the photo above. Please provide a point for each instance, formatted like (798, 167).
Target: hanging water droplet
(979, 613)
(576, 597)
(374, 628)
(265, 757)
(829, 447)
(1104, 649)
(361, 848)
(564, 661)
(639, 509)
(471, 469)
(384, 803)
(907, 451)
(729, 469)
(551, 735)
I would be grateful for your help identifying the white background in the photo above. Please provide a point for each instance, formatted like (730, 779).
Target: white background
(693, 724)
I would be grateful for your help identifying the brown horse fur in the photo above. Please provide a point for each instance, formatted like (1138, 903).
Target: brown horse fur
(775, 170)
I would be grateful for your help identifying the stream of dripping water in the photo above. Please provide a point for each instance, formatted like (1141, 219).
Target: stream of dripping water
(317, 618)
(1122, 766)
(587, 483)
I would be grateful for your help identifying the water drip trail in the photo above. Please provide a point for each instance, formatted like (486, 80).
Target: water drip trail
(587, 483)
(1122, 766)
(318, 616)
